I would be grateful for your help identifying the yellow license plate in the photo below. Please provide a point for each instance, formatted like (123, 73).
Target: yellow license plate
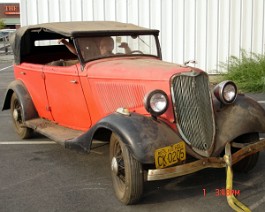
(170, 155)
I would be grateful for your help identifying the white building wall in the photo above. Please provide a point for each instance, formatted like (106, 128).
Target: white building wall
(207, 31)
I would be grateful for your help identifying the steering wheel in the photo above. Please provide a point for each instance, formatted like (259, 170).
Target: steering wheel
(136, 51)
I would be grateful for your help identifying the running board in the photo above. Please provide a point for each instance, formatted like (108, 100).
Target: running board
(53, 131)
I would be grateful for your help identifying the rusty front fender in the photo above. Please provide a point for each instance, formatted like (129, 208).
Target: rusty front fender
(244, 116)
(142, 135)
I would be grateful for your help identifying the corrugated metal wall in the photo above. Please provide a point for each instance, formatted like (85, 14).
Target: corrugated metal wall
(208, 31)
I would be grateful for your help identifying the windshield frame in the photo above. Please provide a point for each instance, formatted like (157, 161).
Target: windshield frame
(83, 61)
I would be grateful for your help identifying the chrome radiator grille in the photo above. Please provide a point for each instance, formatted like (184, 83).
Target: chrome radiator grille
(193, 110)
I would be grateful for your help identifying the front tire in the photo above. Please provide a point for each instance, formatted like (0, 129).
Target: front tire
(127, 172)
(248, 163)
(17, 112)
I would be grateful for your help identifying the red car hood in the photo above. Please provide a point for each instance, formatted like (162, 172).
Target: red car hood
(124, 82)
(133, 68)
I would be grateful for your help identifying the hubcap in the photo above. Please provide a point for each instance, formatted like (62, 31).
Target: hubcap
(15, 114)
(114, 166)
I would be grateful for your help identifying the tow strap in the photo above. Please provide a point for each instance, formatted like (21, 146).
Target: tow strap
(233, 202)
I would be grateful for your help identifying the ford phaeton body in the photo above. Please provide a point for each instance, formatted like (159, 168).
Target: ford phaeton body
(162, 119)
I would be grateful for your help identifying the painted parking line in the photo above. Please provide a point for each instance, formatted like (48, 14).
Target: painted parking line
(45, 143)
(25, 142)
(6, 68)
(36, 142)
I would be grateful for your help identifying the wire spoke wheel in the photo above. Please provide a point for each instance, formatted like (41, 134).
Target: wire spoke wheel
(127, 174)
(248, 163)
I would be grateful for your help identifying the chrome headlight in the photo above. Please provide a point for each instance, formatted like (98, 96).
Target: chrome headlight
(226, 92)
(156, 102)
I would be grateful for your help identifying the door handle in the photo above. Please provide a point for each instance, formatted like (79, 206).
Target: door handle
(73, 81)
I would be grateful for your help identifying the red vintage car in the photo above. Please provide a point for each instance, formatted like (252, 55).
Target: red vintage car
(76, 82)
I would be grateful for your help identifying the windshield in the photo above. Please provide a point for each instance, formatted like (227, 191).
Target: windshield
(98, 47)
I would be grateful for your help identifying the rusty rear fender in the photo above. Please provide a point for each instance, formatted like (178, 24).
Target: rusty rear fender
(19, 88)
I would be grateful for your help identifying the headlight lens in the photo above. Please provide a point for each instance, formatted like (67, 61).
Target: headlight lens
(156, 102)
(226, 92)
(229, 93)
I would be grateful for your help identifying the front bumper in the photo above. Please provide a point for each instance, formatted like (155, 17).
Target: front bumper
(211, 162)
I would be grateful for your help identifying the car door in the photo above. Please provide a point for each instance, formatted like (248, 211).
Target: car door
(65, 96)
(33, 78)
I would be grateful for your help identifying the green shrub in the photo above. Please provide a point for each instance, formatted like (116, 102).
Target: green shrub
(248, 71)
(2, 24)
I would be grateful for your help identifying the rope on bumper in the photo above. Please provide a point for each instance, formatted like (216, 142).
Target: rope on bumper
(233, 202)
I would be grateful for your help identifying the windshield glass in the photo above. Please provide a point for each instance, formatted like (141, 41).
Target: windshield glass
(98, 47)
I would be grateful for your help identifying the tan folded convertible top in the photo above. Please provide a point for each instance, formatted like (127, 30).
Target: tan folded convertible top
(23, 40)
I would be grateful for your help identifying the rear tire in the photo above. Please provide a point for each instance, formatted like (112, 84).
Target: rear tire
(127, 173)
(17, 112)
(248, 163)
